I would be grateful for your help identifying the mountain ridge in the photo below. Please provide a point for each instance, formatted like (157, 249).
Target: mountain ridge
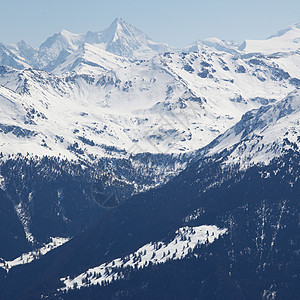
(123, 39)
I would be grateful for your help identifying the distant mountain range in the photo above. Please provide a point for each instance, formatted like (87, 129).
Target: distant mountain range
(123, 39)
(119, 38)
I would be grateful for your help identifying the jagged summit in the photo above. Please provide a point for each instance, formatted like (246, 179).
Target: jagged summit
(121, 38)
(118, 29)
(118, 24)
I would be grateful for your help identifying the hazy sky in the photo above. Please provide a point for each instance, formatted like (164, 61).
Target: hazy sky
(177, 23)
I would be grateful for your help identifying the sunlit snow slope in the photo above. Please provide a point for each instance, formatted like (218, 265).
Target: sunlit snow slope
(154, 253)
(96, 100)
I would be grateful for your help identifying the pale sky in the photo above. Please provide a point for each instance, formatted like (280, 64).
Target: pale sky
(177, 23)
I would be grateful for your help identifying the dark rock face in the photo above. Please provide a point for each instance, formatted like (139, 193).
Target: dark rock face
(17, 131)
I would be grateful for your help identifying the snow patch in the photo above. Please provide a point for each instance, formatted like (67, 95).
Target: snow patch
(185, 241)
(27, 258)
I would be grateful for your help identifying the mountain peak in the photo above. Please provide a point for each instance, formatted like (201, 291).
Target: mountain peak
(118, 20)
(22, 43)
(65, 32)
(294, 27)
(122, 38)
(64, 37)
(119, 29)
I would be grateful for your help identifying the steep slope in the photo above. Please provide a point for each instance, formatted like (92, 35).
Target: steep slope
(125, 40)
(8, 58)
(56, 48)
(91, 59)
(12, 233)
(23, 51)
(262, 134)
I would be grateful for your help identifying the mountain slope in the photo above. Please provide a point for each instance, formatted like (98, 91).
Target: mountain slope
(7, 57)
(183, 101)
(57, 46)
(286, 40)
(262, 134)
(12, 234)
(125, 40)
(260, 213)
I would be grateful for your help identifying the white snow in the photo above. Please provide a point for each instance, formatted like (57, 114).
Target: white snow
(26, 258)
(185, 241)
(286, 40)
(2, 182)
(152, 105)
(25, 218)
(270, 134)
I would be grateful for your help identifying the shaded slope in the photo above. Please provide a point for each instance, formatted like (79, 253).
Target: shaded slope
(249, 204)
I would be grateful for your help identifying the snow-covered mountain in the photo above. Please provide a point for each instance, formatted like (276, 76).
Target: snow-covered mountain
(125, 40)
(24, 52)
(262, 134)
(170, 103)
(285, 40)
(120, 38)
(212, 42)
(7, 57)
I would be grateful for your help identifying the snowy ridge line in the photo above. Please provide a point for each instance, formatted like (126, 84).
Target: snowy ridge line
(127, 42)
(154, 253)
(262, 134)
(120, 39)
(27, 258)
